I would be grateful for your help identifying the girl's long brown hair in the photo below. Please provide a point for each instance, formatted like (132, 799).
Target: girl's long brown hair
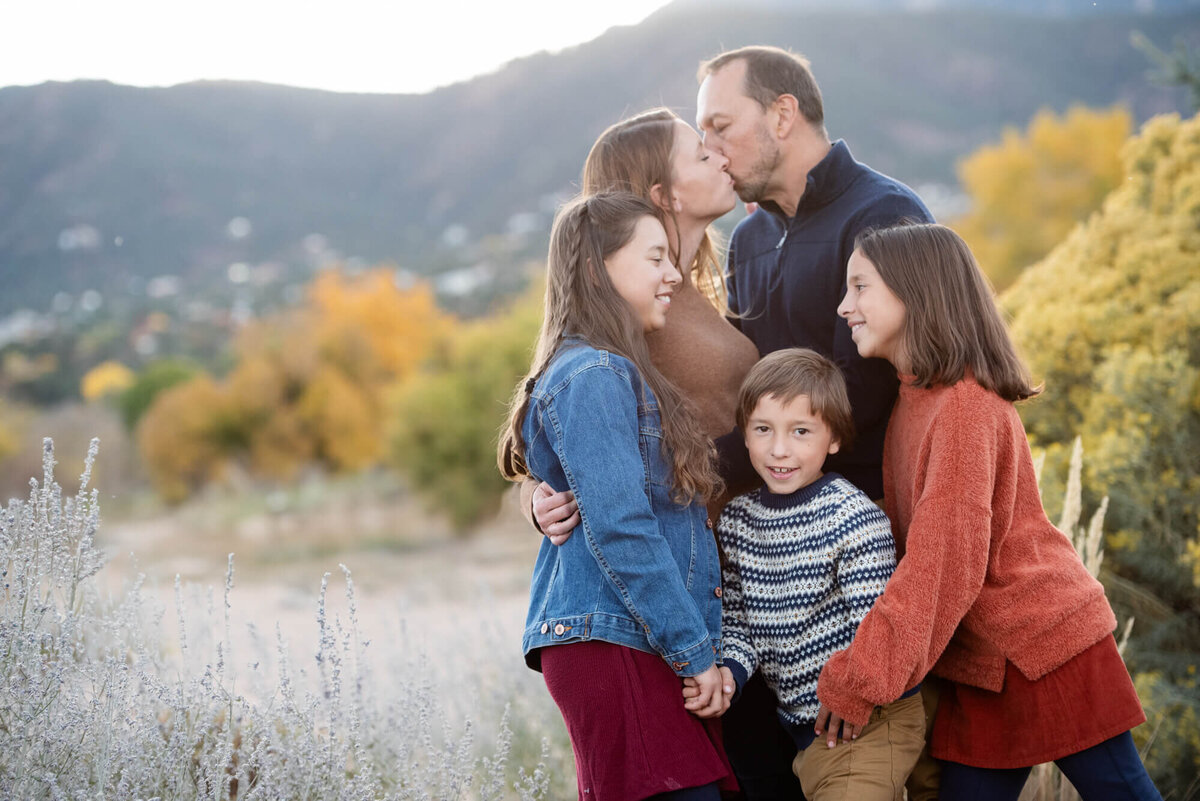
(582, 301)
(951, 322)
(634, 155)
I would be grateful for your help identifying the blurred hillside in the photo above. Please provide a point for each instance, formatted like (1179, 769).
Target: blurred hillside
(231, 195)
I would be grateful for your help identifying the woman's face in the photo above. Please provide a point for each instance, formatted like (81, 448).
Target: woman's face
(643, 274)
(873, 312)
(701, 188)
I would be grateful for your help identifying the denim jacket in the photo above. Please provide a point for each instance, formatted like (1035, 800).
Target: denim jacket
(640, 570)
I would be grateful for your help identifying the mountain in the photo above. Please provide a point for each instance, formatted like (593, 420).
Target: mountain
(105, 187)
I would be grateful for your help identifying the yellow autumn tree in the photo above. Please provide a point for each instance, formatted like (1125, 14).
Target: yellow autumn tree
(105, 379)
(277, 359)
(1110, 321)
(1030, 189)
(307, 385)
(371, 327)
(184, 437)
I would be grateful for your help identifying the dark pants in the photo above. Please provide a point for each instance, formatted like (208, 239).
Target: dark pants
(708, 792)
(1110, 771)
(759, 748)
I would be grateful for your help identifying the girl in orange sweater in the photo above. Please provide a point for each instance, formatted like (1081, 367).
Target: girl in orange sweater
(988, 594)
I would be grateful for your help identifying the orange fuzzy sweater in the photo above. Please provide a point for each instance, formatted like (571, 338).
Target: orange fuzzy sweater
(984, 577)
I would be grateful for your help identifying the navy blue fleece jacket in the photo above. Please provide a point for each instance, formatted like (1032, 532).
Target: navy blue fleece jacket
(787, 276)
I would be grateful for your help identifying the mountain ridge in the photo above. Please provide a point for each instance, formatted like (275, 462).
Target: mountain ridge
(104, 186)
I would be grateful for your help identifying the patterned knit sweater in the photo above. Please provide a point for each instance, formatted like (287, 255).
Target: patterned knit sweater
(800, 572)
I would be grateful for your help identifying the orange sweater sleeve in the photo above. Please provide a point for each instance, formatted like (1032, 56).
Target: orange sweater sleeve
(943, 568)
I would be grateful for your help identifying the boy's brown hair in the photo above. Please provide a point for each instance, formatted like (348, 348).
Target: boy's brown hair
(790, 373)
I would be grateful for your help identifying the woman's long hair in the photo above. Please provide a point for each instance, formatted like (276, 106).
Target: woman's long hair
(634, 155)
(582, 301)
(951, 322)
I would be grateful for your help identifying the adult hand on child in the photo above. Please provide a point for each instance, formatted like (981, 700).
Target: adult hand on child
(556, 513)
(829, 720)
(720, 692)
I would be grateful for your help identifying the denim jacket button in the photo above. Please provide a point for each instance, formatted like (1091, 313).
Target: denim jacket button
(708, 522)
(717, 592)
(559, 629)
(545, 627)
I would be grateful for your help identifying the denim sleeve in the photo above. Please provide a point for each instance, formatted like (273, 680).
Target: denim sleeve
(596, 432)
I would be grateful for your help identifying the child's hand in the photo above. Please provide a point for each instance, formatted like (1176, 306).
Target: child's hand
(708, 695)
(828, 719)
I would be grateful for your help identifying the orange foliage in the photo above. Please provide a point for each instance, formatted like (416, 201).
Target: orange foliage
(307, 385)
(367, 323)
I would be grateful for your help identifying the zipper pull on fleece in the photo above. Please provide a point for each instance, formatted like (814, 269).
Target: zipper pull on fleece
(782, 239)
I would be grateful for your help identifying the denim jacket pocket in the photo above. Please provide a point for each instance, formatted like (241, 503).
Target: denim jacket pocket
(650, 439)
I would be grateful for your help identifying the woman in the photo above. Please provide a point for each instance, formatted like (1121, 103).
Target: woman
(659, 157)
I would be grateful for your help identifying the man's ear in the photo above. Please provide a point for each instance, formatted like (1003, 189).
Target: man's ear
(787, 115)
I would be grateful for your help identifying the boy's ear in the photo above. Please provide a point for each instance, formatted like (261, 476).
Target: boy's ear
(834, 446)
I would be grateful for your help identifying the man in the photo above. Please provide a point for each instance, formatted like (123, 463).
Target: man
(761, 108)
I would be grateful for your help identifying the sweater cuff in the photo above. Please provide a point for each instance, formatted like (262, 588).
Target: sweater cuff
(740, 676)
(844, 704)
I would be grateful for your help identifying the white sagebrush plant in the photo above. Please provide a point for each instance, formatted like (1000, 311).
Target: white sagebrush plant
(94, 705)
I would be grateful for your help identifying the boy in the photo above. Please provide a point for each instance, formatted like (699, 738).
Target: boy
(805, 556)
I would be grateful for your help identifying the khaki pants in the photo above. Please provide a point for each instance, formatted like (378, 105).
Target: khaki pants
(926, 777)
(872, 767)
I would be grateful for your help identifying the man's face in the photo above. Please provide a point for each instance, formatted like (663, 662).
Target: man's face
(736, 126)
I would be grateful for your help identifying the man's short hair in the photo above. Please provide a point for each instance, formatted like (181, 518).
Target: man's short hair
(792, 372)
(771, 72)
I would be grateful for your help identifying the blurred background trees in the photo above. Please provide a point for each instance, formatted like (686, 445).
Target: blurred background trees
(1030, 189)
(307, 386)
(446, 417)
(1110, 321)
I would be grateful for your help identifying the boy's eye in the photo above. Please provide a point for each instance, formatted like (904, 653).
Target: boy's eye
(761, 429)
(801, 431)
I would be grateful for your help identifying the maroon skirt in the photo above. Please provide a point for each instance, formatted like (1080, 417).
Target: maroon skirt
(1083, 703)
(631, 735)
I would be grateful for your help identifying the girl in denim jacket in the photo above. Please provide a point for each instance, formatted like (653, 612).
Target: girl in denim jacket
(619, 616)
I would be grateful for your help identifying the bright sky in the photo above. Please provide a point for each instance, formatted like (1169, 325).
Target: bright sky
(341, 45)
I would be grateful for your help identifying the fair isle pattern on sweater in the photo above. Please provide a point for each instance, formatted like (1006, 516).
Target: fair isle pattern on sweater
(800, 573)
